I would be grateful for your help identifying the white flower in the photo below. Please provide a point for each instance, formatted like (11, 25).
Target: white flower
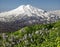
(7, 44)
(4, 36)
(26, 42)
(56, 28)
(30, 35)
(31, 40)
(25, 36)
(46, 29)
(13, 42)
(40, 32)
(10, 39)
(36, 32)
(43, 29)
(53, 28)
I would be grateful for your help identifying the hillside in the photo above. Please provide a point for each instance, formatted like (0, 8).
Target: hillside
(42, 35)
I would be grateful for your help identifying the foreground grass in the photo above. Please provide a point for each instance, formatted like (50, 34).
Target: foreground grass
(47, 35)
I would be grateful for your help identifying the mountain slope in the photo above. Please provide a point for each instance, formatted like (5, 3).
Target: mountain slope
(47, 35)
(27, 11)
(22, 10)
(26, 15)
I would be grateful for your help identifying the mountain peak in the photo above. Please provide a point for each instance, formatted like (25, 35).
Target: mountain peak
(26, 10)
(28, 6)
(24, 6)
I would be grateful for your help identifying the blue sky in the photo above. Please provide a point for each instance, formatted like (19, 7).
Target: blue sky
(48, 5)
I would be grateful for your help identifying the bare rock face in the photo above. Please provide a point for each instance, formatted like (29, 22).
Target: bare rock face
(25, 16)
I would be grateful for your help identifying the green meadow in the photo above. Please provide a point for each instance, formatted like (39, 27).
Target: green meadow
(42, 35)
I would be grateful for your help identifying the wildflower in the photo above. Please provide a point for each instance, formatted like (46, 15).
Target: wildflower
(36, 32)
(30, 35)
(25, 36)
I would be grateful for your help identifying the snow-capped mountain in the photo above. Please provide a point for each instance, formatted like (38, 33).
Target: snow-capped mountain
(26, 15)
(25, 11)
(53, 16)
